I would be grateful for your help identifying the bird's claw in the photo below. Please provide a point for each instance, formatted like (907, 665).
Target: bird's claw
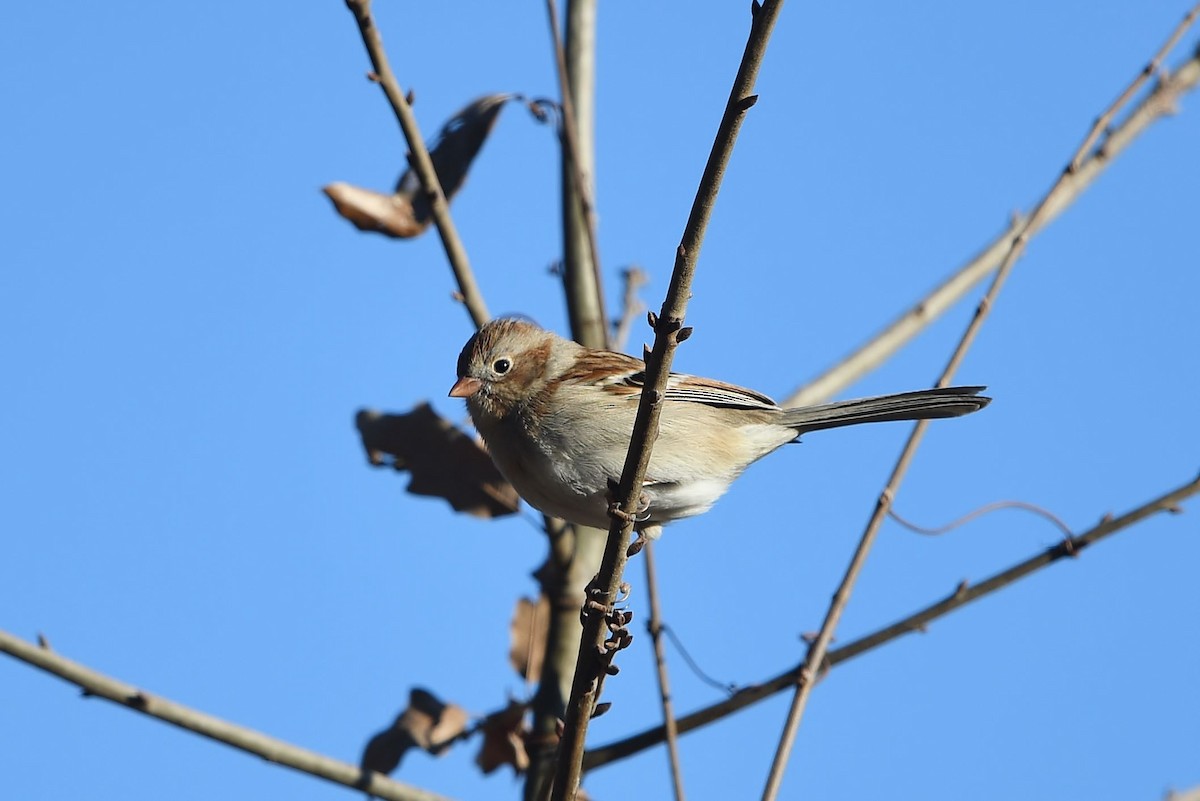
(639, 515)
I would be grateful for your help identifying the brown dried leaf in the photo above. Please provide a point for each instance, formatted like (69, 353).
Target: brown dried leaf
(432, 723)
(527, 637)
(374, 211)
(443, 461)
(454, 149)
(384, 750)
(504, 739)
(428, 723)
(407, 212)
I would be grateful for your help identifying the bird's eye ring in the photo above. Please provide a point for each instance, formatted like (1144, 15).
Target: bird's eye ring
(502, 366)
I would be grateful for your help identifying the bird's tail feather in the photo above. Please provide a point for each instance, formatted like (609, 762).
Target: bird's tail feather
(923, 404)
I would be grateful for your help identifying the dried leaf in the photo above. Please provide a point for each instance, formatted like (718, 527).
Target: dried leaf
(455, 148)
(527, 637)
(407, 212)
(374, 211)
(428, 723)
(432, 723)
(384, 750)
(504, 739)
(443, 461)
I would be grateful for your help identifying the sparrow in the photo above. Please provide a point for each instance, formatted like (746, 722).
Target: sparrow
(556, 418)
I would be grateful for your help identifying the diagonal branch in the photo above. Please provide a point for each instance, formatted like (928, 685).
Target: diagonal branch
(668, 328)
(254, 742)
(917, 621)
(1100, 126)
(1152, 107)
(819, 647)
(422, 164)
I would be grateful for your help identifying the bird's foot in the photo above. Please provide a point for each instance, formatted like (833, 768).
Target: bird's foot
(615, 510)
(595, 602)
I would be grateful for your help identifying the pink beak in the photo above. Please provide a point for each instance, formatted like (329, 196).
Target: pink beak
(465, 387)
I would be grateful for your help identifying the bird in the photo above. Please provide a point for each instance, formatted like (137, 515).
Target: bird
(556, 418)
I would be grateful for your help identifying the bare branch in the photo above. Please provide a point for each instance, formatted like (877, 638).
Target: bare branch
(1053, 200)
(918, 621)
(269, 748)
(574, 558)
(654, 626)
(1100, 126)
(575, 552)
(631, 305)
(585, 290)
(591, 666)
(1156, 104)
(816, 652)
(421, 162)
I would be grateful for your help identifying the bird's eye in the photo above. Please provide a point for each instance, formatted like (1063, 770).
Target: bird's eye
(501, 366)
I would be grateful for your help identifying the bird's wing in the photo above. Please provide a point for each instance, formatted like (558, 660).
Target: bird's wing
(709, 391)
(625, 376)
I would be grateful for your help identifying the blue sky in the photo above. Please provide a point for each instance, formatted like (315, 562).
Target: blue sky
(188, 330)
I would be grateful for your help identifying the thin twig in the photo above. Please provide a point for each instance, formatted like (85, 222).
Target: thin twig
(729, 688)
(585, 297)
(422, 164)
(1100, 126)
(591, 664)
(1153, 106)
(918, 621)
(655, 628)
(254, 742)
(936, 531)
(819, 647)
(631, 306)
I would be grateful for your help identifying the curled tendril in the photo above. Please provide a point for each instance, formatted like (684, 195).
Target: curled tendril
(1045, 514)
